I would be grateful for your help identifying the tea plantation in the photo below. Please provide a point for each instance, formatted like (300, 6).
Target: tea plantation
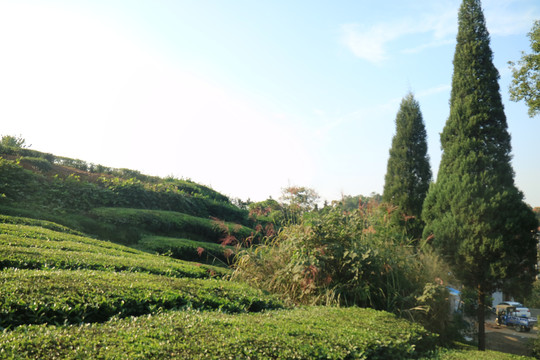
(67, 296)
(113, 264)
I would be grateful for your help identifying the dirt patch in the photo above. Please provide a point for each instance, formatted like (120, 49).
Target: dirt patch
(508, 340)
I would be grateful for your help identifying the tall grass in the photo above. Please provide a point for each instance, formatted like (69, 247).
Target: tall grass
(359, 258)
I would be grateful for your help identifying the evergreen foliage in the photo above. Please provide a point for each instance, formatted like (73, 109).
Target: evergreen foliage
(526, 77)
(408, 173)
(474, 214)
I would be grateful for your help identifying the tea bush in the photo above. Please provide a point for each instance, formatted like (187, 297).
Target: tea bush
(303, 333)
(171, 223)
(76, 296)
(5, 219)
(186, 249)
(37, 163)
(79, 191)
(29, 247)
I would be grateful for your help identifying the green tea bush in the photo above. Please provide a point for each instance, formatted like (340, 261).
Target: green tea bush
(166, 195)
(170, 223)
(29, 247)
(16, 183)
(5, 219)
(22, 151)
(186, 249)
(304, 333)
(37, 163)
(76, 296)
(59, 193)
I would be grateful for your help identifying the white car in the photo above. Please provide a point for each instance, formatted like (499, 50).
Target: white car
(520, 309)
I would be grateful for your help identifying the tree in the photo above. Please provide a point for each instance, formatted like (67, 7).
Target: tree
(298, 200)
(408, 173)
(526, 77)
(14, 141)
(475, 216)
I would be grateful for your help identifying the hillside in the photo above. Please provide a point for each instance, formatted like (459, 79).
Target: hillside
(174, 216)
(111, 263)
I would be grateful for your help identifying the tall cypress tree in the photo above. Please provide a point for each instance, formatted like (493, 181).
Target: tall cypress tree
(408, 171)
(474, 214)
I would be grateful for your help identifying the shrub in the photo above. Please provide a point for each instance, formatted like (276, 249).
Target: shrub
(16, 183)
(306, 333)
(64, 296)
(349, 258)
(29, 247)
(37, 163)
(186, 249)
(354, 258)
(171, 223)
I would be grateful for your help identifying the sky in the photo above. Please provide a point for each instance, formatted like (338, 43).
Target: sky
(248, 97)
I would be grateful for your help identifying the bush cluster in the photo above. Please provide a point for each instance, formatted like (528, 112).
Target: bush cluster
(357, 258)
(314, 333)
(30, 247)
(172, 223)
(189, 250)
(77, 296)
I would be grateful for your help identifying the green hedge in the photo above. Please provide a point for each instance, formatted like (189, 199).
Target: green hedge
(76, 296)
(306, 333)
(30, 189)
(186, 249)
(171, 223)
(30, 247)
(5, 219)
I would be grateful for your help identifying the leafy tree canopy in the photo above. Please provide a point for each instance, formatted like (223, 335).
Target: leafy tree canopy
(526, 74)
(14, 141)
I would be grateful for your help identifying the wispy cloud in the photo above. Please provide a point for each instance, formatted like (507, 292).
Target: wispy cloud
(368, 44)
(510, 17)
(438, 27)
(433, 91)
(371, 42)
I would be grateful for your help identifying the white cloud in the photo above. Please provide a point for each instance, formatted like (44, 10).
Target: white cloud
(434, 90)
(510, 17)
(369, 44)
(439, 23)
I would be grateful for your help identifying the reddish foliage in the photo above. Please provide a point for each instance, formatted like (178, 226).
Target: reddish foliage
(228, 240)
(269, 229)
(200, 250)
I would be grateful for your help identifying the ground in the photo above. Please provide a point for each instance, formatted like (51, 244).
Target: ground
(508, 340)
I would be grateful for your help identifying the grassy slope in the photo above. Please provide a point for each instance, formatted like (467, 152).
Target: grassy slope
(30, 247)
(116, 204)
(189, 249)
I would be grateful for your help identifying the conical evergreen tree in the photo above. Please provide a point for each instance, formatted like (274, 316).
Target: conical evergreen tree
(474, 214)
(408, 173)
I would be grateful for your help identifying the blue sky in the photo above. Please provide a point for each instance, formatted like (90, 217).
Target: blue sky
(246, 96)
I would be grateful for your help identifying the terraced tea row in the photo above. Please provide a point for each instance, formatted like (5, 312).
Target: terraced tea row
(304, 333)
(30, 247)
(77, 296)
(189, 249)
